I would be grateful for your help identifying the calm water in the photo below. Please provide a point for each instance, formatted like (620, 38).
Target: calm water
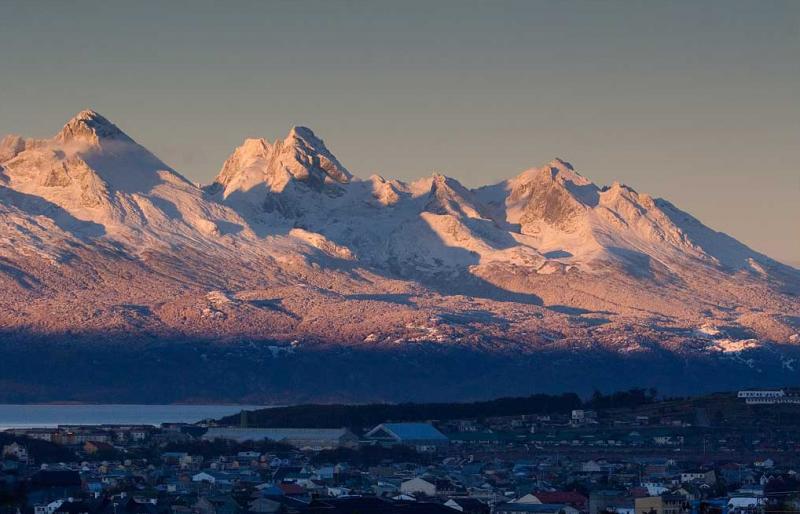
(29, 416)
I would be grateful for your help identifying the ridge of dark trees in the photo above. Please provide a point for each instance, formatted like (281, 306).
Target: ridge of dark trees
(369, 415)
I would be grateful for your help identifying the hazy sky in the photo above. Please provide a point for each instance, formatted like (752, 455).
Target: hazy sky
(697, 102)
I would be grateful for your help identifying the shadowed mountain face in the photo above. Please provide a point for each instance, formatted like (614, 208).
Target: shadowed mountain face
(289, 263)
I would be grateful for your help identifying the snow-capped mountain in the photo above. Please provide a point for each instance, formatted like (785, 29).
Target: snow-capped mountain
(95, 183)
(289, 253)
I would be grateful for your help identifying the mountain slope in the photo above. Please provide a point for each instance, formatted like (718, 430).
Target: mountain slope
(287, 260)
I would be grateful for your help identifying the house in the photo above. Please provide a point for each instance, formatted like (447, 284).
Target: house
(182, 459)
(325, 472)
(708, 477)
(139, 434)
(94, 447)
(583, 417)
(666, 504)
(535, 508)
(745, 503)
(49, 508)
(735, 473)
(79, 437)
(668, 440)
(224, 504)
(609, 501)
(528, 498)
(42, 434)
(264, 506)
(72, 507)
(683, 492)
(336, 492)
(268, 490)
(303, 438)
(654, 488)
(289, 473)
(292, 489)
(591, 466)
(16, 451)
(571, 498)
(422, 436)
(204, 477)
(468, 505)
(418, 485)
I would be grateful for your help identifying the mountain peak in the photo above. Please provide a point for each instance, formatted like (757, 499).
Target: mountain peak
(10, 146)
(245, 163)
(561, 164)
(448, 196)
(307, 158)
(557, 171)
(302, 132)
(562, 171)
(254, 147)
(301, 156)
(89, 126)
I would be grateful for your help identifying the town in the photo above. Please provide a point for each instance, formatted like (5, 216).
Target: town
(625, 454)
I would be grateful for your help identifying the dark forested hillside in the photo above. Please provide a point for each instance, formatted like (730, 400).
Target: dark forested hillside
(361, 416)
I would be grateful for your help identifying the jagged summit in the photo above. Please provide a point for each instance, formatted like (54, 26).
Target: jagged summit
(100, 180)
(10, 146)
(448, 196)
(300, 131)
(316, 163)
(88, 126)
(300, 158)
(560, 163)
(258, 147)
(562, 171)
(244, 168)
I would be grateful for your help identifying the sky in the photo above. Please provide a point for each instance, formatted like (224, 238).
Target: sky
(696, 102)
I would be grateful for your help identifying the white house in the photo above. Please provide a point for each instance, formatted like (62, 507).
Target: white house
(702, 476)
(338, 491)
(746, 503)
(49, 508)
(418, 485)
(204, 477)
(583, 417)
(465, 504)
(655, 489)
(591, 467)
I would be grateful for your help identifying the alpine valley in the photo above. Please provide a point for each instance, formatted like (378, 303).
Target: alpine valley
(290, 279)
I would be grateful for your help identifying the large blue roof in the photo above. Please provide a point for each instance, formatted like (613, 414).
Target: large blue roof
(415, 431)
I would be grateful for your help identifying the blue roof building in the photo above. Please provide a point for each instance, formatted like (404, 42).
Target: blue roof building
(423, 436)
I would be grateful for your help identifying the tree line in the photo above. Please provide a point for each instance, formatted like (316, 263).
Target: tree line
(359, 417)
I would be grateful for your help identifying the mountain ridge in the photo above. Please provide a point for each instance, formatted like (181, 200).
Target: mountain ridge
(288, 250)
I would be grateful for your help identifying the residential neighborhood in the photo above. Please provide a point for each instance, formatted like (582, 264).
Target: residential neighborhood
(583, 461)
